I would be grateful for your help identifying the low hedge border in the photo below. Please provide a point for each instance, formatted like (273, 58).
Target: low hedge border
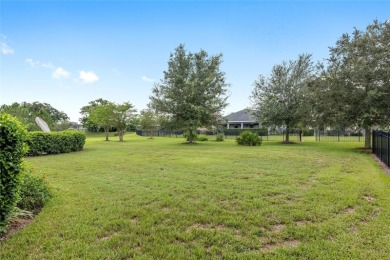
(41, 143)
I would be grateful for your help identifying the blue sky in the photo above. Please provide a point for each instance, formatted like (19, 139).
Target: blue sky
(68, 53)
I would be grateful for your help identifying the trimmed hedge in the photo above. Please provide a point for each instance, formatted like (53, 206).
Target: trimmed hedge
(12, 149)
(41, 143)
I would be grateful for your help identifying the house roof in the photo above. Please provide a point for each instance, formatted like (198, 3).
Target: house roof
(241, 116)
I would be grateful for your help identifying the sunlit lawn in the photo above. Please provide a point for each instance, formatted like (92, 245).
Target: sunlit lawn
(161, 199)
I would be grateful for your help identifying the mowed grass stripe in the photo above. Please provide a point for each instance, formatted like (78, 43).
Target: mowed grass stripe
(161, 199)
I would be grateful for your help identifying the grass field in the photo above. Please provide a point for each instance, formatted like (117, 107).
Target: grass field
(161, 199)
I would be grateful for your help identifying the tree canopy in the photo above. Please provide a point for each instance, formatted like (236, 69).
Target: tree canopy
(354, 89)
(193, 91)
(27, 112)
(279, 100)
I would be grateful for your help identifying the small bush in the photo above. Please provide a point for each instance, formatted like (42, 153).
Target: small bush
(248, 138)
(219, 138)
(202, 138)
(41, 143)
(33, 192)
(12, 149)
(308, 132)
(186, 135)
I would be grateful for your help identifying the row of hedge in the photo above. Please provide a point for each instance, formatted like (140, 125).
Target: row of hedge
(41, 143)
(12, 150)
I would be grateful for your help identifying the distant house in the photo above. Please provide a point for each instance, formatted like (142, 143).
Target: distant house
(242, 119)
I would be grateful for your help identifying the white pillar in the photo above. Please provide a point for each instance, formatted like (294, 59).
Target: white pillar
(242, 125)
(227, 125)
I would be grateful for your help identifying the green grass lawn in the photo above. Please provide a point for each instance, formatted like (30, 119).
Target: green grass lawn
(161, 199)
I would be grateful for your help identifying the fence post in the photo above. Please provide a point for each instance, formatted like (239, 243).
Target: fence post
(338, 135)
(373, 142)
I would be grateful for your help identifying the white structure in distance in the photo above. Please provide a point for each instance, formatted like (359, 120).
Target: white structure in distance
(42, 124)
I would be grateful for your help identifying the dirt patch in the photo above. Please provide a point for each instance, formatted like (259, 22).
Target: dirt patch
(369, 198)
(300, 223)
(278, 227)
(15, 227)
(134, 220)
(286, 244)
(106, 237)
(349, 210)
(353, 229)
(206, 227)
(381, 164)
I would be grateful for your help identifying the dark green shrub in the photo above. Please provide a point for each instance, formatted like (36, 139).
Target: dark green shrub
(12, 149)
(249, 138)
(308, 132)
(202, 138)
(41, 143)
(186, 135)
(33, 192)
(219, 138)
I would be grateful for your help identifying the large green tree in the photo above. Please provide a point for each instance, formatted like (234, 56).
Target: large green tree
(85, 111)
(358, 78)
(193, 90)
(279, 100)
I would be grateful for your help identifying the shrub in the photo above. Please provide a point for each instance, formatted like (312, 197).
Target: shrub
(249, 138)
(308, 132)
(219, 138)
(202, 138)
(12, 149)
(186, 135)
(33, 192)
(41, 143)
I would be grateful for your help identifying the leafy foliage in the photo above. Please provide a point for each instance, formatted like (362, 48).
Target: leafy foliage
(102, 115)
(33, 192)
(192, 93)
(122, 115)
(354, 90)
(249, 138)
(187, 136)
(220, 137)
(280, 98)
(41, 143)
(27, 112)
(106, 114)
(12, 149)
(149, 121)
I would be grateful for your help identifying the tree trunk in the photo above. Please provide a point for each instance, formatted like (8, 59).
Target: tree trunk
(120, 134)
(367, 135)
(190, 136)
(106, 132)
(288, 133)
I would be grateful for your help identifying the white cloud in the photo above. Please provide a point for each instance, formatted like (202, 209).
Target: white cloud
(31, 62)
(37, 63)
(144, 78)
(5, 49)
(60, 73)
(88, 76)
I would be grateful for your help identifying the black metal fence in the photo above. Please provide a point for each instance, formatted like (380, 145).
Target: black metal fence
(339, 136)
(381, 145)
(295, 134)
